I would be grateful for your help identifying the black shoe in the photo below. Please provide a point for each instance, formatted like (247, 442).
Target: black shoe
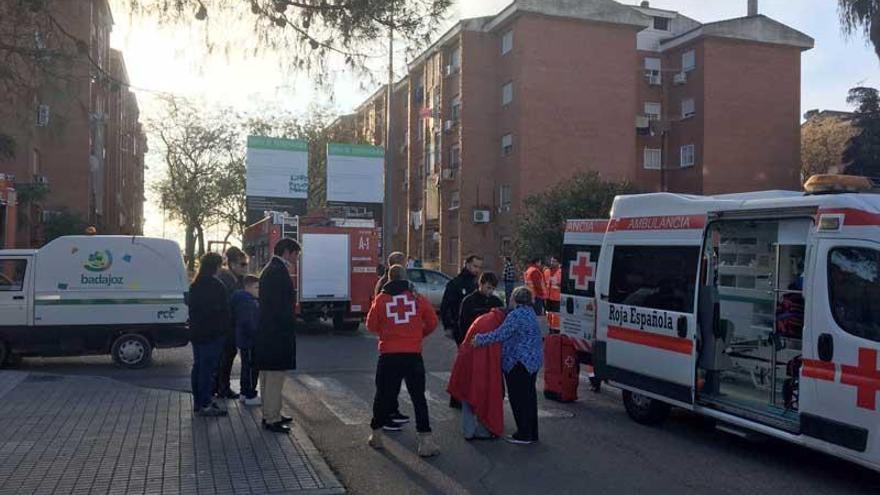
(227, 394)
(454, 403)
(398, 418)
(285, 419)
(392, 426)
(514, 439)
(277, 427)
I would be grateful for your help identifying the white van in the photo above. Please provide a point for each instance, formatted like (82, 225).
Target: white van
(760, 310)
(581, 245)
(83, 295)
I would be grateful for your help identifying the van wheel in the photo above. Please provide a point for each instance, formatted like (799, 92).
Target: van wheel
(132, 350)
(645, 410)
(5, 354)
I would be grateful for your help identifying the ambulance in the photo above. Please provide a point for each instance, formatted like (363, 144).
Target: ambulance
(758, 310)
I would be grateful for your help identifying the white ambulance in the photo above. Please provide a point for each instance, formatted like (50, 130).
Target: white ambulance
(83, 295)
(582, 243)
(760, 310)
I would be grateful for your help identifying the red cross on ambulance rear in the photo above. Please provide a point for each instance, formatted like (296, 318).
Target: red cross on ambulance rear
(401, 309)
(582, 271)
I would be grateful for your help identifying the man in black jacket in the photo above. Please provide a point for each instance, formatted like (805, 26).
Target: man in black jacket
(231, 276)
(275, 346)
(479, 302)
(463, 284)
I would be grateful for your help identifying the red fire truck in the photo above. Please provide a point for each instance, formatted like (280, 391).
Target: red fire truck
(336, 274)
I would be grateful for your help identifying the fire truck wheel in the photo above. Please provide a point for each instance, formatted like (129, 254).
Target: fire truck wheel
(644, 410)
(341, 325)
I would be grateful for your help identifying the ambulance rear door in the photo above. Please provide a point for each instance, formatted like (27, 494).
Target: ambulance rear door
(646, 334)
(840, 377)
(580, 256)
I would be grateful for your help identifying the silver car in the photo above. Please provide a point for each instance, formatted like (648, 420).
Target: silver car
(429, 283)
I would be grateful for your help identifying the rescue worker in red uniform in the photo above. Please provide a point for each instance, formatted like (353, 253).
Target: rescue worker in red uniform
(534, 279)
(553, 281)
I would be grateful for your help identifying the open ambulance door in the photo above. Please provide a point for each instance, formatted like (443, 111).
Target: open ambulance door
(647, 323)
(840, 389)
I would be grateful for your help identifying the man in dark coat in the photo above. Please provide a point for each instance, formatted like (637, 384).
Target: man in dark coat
(231, 276)
(275, 346)
(457, 288)
(479, 302)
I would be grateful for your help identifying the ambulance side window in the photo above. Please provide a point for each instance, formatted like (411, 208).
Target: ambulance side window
(854, 290)
(657, 277)
(586, 271)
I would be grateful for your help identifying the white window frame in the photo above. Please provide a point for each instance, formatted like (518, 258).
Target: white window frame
(455, 156)
(507, 93)
(689, 61)
(688, 108)
(654, 23)
(507, 144)
(653, 159)
(455, 58)
(505, 197)
(454, 200)
(688, 156)
(653, 110)
(456, 109)
(507, 42)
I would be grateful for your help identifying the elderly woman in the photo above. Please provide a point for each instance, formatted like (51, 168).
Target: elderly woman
(521, 358)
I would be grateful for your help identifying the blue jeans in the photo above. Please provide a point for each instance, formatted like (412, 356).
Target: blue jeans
(206, 359)
(508, 291)
(470, 424)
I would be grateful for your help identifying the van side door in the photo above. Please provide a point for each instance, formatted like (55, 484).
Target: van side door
(15, 290)
(840, 377)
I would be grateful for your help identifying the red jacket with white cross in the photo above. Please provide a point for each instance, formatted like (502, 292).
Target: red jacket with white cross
(401, 319)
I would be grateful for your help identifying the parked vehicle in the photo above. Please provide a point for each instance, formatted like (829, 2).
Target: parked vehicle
(582, 244)
(82, 295)
(336, 275)
(429, 283)
(759, 310)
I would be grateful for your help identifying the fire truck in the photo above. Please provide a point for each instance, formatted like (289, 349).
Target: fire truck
(336, 274)
(760, 311)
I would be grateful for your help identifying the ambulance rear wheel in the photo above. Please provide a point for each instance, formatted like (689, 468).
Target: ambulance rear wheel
(132, 350)
(644, 410)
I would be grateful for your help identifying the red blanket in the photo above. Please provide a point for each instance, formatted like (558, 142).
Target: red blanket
(476, 377)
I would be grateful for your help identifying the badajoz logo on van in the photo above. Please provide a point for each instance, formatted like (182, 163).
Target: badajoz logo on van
(99, 262)
(635, 317)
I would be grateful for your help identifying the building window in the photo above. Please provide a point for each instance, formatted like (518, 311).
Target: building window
(454, 200)
(653, 159)
(653, 66)
(455, 58)
(688, 109)
(507, 93)
(687, 156)
(507, 42)
(661, 23)
(456, 108)
(653, 111)
(688, 61)
(505, 196)
(506, 144)
(455, 156)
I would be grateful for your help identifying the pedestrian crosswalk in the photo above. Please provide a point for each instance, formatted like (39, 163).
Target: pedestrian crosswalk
(349, 397)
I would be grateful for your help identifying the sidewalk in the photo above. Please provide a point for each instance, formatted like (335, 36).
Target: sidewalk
(83, 435)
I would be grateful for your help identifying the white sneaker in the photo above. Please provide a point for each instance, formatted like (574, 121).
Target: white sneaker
(253, 401)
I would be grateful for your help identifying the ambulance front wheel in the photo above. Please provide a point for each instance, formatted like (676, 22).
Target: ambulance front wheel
(645, 410)
(132, 350)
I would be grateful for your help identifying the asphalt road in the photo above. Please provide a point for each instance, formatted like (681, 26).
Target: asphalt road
(588, 446)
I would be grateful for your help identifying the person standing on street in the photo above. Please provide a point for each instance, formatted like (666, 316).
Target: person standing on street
(553, 283)
(246, 313)
(397, 418)
(231, 276)
(402, 320)
(450, 308)
(209, 319)
(479, 302)
(395, 258)
(509, 279)
(275, 344)
(534, 278)
(522, 354)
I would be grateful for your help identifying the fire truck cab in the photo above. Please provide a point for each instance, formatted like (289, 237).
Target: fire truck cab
(759, 310)
(336, 274)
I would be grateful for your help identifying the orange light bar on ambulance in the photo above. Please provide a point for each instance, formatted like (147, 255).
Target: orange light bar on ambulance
(828, 184)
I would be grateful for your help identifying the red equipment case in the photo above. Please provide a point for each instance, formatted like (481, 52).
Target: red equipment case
(560, 368)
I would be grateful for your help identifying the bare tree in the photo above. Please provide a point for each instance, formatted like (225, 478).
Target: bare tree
(861, 16)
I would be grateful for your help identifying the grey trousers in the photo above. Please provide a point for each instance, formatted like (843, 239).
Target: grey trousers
(470, 424)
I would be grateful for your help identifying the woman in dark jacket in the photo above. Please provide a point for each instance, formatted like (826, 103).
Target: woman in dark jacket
(209, 320)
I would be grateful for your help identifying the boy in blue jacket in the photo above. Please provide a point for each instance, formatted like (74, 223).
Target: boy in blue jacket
(246, 311)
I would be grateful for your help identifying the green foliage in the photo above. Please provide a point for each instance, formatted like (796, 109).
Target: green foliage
(540, 227)
(862, 154)
(64, 222)
(861, 16)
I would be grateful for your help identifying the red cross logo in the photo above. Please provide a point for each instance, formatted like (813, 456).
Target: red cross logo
(865, 377)
(401, 309)
(582, 271)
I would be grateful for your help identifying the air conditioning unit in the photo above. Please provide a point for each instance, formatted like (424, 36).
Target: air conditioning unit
(680, 78)
(448, 125)
(447, 174)
(482, 216)
(642, 122)
(41, 179)
(42, 115)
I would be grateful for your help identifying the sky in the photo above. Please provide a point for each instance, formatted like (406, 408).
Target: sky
(173, 61)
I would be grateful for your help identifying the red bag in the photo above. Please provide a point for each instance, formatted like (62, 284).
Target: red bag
(560, 368)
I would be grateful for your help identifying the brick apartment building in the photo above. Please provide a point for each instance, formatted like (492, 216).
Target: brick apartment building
(505, 106)
(82, 142)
